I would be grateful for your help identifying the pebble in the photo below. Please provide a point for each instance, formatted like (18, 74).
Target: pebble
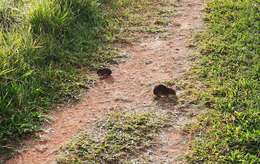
(41, 148)
(148, 62)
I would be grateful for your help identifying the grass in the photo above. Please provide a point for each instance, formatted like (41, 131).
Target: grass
(230, 66)
(145, 20)
(45, 49)
(122, 135)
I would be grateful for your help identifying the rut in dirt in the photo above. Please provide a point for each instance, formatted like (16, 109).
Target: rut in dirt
(154, 60)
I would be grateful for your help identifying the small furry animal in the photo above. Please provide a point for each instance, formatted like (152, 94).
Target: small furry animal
(104, 72)
(162, 90)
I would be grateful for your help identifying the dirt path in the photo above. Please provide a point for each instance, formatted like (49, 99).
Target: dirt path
(151, 62)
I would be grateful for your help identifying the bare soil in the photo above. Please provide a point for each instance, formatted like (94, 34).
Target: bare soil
(154, 60)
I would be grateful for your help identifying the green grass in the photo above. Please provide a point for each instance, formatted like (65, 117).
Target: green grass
(230, 66)
(45, 49)
(122, 135)
(148, 18)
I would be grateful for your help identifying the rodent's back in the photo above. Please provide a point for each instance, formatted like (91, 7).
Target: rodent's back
(104, 71)
(160, 90)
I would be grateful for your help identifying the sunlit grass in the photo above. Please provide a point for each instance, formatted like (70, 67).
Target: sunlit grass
(230, 66)
(45, 49)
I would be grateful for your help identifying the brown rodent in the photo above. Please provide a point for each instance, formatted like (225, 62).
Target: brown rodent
(104, 72)
(162, 90)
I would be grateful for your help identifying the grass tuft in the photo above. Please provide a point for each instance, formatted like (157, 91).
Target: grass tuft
(123, 134)
(10, 15)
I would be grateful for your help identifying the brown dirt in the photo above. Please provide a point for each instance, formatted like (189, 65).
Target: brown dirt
(152, 61)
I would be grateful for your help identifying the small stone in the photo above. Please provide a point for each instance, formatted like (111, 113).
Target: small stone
(148, 62)
(43, 139)
(193, 114)
(150, 152)
(121, 58)
(176, 24)
(126, 100)
(191, 46)
(49, 130)
(114, 62)
(124, 55)
(41, 148)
